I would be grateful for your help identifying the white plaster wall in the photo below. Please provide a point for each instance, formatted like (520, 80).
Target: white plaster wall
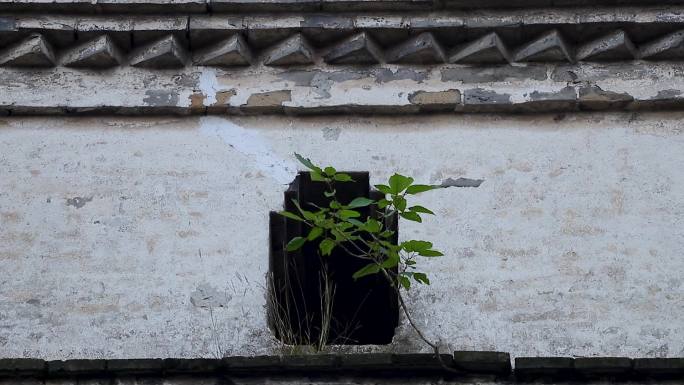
(572, 245)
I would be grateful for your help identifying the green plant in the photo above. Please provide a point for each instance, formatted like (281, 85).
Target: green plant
(341, 225)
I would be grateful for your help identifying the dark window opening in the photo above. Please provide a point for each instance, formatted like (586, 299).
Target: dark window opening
(314, 298)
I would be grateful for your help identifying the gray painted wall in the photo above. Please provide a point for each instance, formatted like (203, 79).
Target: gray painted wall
(571, 246)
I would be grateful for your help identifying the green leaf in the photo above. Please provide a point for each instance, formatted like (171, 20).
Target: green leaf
(326, 246)
(391, 261)
(360, 202)
(356, 222)
(411, 216)
(383, 188)
(295, 243)
(387, 234)
(341, 177)
(369, 269)
(314, 233)
(430, 253)
(307, 162)
(419, 188)
(330, 171)
(405, 282)
(288, 214)
(421, 209)
(330, 194)
(372, 226)
(399, 183)
(308, 215)
(422, 278)
(346, 225)
(317, 176)
(415, 246)
(399, 202)
(335, 205)
(344, 214)
(382, 203)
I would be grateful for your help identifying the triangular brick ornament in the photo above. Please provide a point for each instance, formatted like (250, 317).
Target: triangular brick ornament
(167, 52)
(357, 49)
(668, 47)
(614, 46)
(100, 52)
(33, 51)
(294, 50)
(550, 47)
(421, 49)
(488, 49)
(229, 52)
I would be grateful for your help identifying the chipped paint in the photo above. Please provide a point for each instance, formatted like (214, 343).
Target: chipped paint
(461, 182)
(78, 202)
(208, 85)
(163, 98)
(323, 89)
(207, 296)
(252, 145)
(449, 97)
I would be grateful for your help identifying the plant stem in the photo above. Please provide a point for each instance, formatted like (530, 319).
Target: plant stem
(415, 327)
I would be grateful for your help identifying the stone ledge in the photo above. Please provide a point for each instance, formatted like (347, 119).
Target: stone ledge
(464, 363)
(655, 367)
(603, 366)
(483, 362)
(22, 367)
(76, 368)
(527, 368)
(365, 363)
(135, 366)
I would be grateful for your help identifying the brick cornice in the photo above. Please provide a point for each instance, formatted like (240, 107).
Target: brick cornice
(338, 6)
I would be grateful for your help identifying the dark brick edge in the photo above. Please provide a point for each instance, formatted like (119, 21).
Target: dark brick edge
(466, 363)
(239, 6)
(617, 368)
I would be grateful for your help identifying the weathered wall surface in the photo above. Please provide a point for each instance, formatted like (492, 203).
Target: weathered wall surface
(571, 246)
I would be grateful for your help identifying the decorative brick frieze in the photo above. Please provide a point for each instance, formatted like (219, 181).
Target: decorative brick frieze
(33, 51)
(483, 38)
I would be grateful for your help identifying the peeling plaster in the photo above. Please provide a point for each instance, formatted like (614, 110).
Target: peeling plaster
(208, 296)
(252, 145)
(208, 85)
(462, 182)
(331, 133)
(386, 75)
(78, 202)
(161, 98)
(269, 99)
